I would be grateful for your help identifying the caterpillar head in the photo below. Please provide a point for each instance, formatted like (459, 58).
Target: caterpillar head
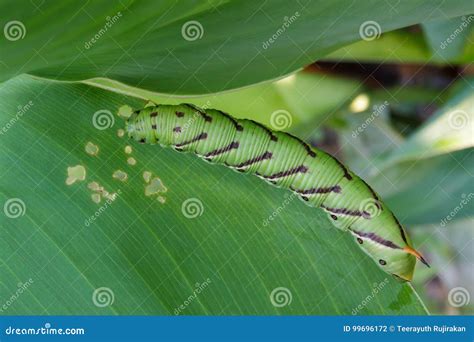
(393, 259)
(139, 126)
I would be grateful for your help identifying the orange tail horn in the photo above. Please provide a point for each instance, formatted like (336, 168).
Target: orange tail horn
(412, 251)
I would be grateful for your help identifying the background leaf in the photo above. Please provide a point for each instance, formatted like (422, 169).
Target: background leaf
(414, 45)
(140, 43)
(451, 249)
(449, 129)
(448, 38)
(426, 174)
(306, 96)
(428, 191)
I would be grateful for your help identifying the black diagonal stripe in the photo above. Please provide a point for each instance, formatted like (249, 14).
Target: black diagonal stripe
(400, 228)
(200, 136)
(321, 190)
(266, 129)
(286, 173)
(308, 149)
(234, 121)
(216, 152)
(372, 192)
(346, 172)
(266, 155)
(201, 112)
(374, 237)
(346, 211)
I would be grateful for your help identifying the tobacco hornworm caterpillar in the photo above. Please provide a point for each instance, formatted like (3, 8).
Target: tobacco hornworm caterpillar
(284, 161)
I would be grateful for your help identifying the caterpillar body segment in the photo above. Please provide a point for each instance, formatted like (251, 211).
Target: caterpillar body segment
(285, 161)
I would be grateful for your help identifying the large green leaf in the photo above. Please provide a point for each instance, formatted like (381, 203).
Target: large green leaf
(235, 43)
(149, 254)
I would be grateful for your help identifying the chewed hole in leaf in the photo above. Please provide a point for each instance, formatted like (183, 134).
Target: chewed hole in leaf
(92, 149)
(161, 199)
(125, 111)
(94, 186)
(156, 186)
(120, 133)
(75, 173)
(128, 149)
(99, 192)
(120, 175)
(131, 161)
(95, 198)
(147, 176)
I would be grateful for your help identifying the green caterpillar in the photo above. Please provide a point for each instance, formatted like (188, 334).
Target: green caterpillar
(284, 161)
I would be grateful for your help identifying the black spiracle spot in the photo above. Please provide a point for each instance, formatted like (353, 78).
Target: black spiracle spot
(360, 241)
(382, 262)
